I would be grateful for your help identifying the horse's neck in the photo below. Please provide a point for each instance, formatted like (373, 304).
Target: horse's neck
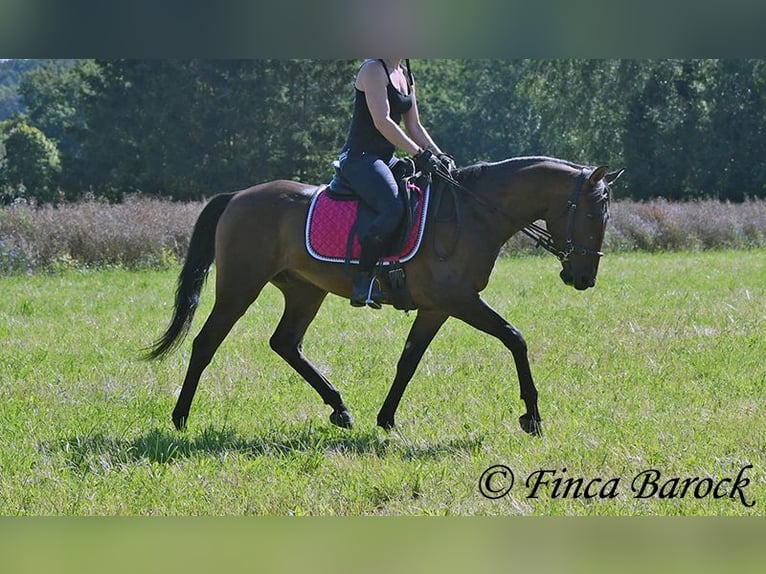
(523, 195)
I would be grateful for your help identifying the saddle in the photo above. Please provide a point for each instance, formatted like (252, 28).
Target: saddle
(337, 218)
(403, 172)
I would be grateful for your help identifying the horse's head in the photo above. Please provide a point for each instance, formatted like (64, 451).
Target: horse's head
(578, 230)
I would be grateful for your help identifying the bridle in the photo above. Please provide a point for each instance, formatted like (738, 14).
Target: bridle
(544, 239)
(540, 235)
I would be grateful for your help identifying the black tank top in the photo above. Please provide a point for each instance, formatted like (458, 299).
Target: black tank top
(363, 136)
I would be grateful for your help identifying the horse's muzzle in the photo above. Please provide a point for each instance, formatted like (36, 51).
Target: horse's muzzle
(580, 281)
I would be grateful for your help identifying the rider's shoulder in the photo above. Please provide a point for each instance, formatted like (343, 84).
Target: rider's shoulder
(372, 73)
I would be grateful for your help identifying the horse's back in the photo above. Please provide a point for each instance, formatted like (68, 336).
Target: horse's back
(272, 192)
(273, 200)
(265, 220)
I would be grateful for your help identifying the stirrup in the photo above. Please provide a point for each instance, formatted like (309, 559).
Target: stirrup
(371, 302)
(368, 297)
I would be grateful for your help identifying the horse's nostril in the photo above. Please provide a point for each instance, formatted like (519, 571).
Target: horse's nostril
(587, 281)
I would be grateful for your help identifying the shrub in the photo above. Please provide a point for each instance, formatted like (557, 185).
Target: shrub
(148, 232)
(140, 232)
(659, 225)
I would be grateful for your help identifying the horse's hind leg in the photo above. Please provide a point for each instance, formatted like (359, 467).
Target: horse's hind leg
(226, 311)
(302, 302)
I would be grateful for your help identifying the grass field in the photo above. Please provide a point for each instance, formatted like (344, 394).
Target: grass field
(661, 367)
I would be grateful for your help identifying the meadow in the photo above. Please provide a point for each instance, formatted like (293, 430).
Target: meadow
(659, 368)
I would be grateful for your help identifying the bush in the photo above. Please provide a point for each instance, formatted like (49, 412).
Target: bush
(140, 232)
(659, 225)
(144, 232)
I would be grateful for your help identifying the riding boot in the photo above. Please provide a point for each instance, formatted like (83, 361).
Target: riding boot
(360, 288)
(362, 280)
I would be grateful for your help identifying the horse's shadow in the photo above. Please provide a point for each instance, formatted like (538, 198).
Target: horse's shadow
(165, 446)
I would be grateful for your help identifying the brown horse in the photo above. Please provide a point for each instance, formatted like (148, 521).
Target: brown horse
(256, 236)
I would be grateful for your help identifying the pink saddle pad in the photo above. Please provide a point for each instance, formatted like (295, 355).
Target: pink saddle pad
(330, 220)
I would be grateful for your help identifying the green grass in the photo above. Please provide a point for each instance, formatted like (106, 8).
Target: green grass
(660, 367)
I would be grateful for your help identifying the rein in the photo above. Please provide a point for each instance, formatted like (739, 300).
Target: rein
(540, 235)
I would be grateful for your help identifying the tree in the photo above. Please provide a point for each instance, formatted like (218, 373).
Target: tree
(52, 94)
(11, 72)
(29, 163)
(735, 142)
(474, 108)
(192, 128)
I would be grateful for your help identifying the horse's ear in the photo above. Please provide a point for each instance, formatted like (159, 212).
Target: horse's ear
(613, 176)
(597, 175)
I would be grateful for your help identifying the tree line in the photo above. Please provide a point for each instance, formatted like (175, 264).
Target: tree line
(187, 129)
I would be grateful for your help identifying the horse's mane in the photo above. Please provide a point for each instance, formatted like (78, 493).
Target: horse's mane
(469, 174)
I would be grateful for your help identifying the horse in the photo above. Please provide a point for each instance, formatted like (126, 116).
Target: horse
(256, 236)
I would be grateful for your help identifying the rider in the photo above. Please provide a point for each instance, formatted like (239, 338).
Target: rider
(384, 95)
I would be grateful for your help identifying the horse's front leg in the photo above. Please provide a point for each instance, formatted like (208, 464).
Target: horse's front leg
(422, 332)
(481, 316)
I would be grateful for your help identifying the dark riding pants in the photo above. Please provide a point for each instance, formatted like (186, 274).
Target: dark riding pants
(373, 181)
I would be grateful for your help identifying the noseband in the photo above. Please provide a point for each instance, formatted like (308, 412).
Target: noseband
(543, 238)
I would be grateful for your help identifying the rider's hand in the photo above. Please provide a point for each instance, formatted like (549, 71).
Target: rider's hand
(447, 161)
(426, 161)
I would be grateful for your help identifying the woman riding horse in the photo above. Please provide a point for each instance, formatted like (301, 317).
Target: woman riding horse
(495, 200)
(384, 95)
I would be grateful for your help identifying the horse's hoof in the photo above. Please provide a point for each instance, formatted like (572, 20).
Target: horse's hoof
(179, 422)
(342, 418)
(386, 424)
(531, 425)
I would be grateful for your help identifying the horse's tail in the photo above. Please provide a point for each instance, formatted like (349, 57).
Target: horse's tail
(199, 258)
